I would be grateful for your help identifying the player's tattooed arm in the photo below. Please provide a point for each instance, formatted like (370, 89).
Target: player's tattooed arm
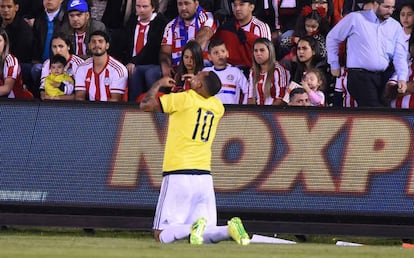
(150, 101)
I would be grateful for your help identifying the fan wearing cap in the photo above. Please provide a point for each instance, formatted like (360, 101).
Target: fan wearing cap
(81, 26)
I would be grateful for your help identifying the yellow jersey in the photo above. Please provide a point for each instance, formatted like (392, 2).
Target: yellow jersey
(51, 78)
(192, 127)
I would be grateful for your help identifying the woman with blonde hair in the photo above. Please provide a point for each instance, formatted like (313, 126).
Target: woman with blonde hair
(268, 79)
(11, 83)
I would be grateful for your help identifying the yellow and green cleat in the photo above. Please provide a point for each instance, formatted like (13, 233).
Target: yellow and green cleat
(237, 232)
(197, 231)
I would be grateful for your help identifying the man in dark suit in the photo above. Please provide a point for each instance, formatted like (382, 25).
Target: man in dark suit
(144, 35)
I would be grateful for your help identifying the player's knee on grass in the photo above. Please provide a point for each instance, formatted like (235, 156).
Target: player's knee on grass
(157, 235)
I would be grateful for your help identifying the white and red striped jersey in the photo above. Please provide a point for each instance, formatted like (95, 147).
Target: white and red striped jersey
(99, 86)
(233, 84)
(176, 34)
(406, 101)
(70, 68)
(80, 45)
(341, 86)
(279, 83)
(11, 70)
(258, 28)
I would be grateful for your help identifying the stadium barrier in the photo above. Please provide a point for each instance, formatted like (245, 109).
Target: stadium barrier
(283, 170)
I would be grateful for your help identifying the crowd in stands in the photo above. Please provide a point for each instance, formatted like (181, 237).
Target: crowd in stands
(341, 53)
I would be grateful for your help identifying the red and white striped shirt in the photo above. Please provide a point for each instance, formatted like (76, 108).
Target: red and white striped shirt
(12, 70)
(258, 28)
(99, 86)
(80, 45)
(406, 101)
(279, 83)
(341, 86)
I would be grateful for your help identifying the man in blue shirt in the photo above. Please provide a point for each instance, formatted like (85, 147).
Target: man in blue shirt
(375, 45)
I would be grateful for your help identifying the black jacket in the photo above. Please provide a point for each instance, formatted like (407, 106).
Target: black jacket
(21, 39)
(60, 22)
(150, 53)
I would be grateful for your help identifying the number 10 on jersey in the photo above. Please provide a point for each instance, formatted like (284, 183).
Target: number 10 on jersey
(203, 130)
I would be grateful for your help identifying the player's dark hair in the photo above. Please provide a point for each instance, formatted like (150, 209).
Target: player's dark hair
(58, 59)
(212, 82)
(214, 43)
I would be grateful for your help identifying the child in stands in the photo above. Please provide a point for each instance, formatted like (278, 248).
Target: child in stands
(234, 84)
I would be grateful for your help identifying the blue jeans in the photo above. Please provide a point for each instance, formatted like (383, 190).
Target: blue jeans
(142, 79)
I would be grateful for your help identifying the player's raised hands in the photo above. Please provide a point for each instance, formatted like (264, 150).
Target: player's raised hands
(166, 81)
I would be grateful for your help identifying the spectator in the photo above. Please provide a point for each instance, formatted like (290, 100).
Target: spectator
(407, 20)
(81, 26)
(328, 6)
(53, 19)
(169, 7)
(144, 35)
(58, 82)
(268, 79)
(101, 77)
(368, 64)
(240, 33)
(396, 99)
(308, 57)
(313, 82)
(191, 63)
(235, 86)
(60, 45)
(299, 97)
(20, 36)
(193, 22)
(342, 98)
(312, 23)
(295, 12)
(187, 205)
(358, 5)
(11, 84)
